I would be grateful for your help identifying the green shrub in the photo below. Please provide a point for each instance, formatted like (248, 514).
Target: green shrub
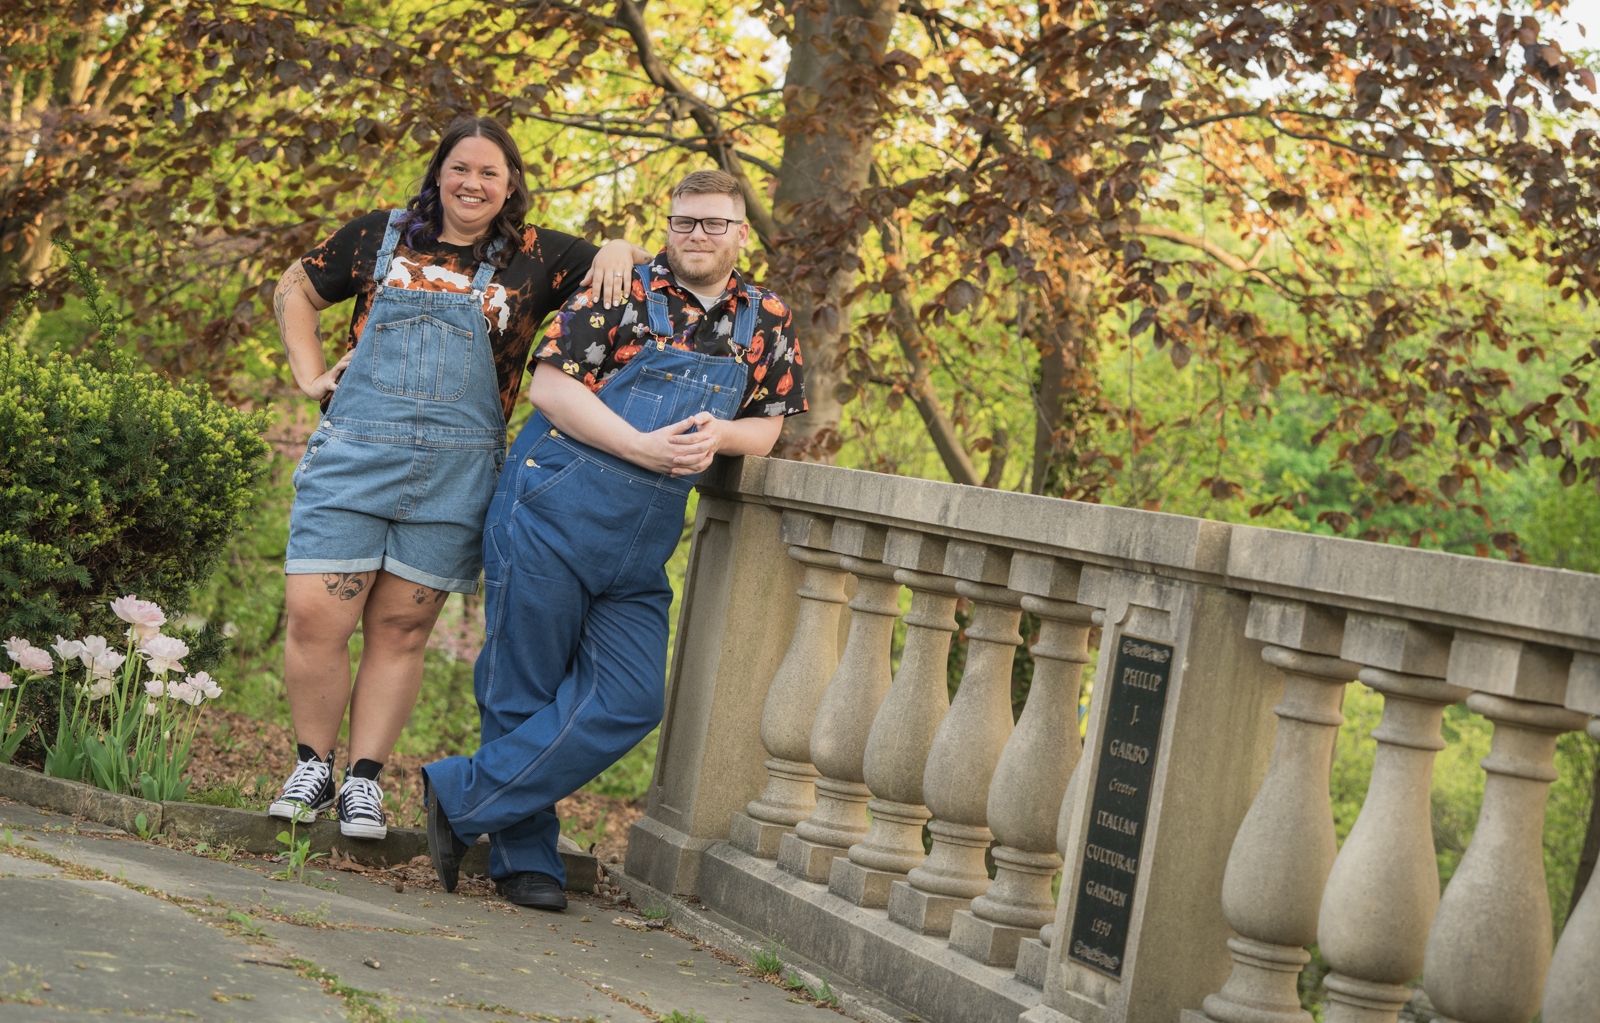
(113, 481)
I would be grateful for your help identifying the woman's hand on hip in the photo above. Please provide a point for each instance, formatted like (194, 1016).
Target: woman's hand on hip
(328, 382)
(611, 273)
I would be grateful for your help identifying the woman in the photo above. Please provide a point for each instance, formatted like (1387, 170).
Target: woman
(391, 494)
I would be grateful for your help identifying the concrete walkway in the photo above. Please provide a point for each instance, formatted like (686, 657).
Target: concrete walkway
(94, 921)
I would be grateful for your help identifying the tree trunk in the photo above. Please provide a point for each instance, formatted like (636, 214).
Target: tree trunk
(26, 229)
(1060, 327)
(831, 94)
(913, 345)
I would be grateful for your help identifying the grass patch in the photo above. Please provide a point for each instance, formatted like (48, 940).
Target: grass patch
(767, 959)
(360, 1006)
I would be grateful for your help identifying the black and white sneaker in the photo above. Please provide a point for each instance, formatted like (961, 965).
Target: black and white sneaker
(309, 790)
(361, 809)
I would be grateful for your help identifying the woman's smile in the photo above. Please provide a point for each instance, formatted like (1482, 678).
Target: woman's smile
(472, 186)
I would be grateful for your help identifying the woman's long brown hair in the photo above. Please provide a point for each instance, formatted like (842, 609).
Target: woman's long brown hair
(424, 212)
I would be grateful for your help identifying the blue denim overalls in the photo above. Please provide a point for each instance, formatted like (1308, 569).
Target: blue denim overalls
(572, 675)
(403, 465)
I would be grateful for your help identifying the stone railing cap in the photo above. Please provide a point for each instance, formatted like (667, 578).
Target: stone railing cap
(1445, 588)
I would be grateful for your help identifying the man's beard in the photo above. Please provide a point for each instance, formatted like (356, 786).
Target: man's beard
(717, 277)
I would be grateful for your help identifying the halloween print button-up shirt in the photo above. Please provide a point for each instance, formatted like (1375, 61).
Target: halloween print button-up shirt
(591, 342)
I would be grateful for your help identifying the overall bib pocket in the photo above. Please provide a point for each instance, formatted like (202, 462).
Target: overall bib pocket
(720, 401)
(421, 357)
(642, 410)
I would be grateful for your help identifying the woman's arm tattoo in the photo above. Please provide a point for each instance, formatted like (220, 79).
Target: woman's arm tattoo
(286, 284)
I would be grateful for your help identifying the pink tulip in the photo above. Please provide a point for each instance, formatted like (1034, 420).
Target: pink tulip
(205, 684)
(5, 681)
(107, 663)
(143, 616)
(92, 648)
(162, 653)
(183, 692)
(29, 657)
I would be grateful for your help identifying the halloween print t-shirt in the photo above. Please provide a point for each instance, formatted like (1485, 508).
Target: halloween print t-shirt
(541, 277)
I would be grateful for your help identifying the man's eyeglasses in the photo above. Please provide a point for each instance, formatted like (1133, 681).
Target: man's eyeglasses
(711, 225)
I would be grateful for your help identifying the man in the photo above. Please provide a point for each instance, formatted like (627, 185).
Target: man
(632, 402)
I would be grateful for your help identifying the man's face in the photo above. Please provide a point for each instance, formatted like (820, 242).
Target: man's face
(703, 260)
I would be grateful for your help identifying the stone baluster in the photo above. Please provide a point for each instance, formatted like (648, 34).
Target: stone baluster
(795, 692)
(1285, 847)
(1572, 993)
(1384, 887)
(903, 730)
(1033, 956)
(845, 715)
(1489, 949)
(965, 749)
(1031, 777)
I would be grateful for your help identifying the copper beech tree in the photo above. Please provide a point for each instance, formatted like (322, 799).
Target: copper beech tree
(915, 173)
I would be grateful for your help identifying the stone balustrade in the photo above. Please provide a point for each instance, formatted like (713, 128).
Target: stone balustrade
(810, 790)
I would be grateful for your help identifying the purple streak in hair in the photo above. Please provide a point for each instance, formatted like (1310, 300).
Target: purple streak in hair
(419, 229)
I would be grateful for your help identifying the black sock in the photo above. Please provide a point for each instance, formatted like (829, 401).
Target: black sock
(368, 769)
(304, 753)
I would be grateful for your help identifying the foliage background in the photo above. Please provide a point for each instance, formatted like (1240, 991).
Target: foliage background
(201, 206)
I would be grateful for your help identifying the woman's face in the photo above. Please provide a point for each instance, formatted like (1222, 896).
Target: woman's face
(472, 190)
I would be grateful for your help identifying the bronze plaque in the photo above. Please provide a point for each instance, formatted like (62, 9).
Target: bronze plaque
(1114, 839)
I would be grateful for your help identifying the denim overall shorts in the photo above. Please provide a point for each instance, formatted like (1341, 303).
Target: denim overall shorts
(403, 465)
(573, 670)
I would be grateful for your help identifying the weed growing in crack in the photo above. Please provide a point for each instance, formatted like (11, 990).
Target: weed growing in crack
(767, 959)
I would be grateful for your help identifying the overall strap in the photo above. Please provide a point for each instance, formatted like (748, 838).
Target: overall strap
(486, 269)
(655, 304)
(744, 321)
(391, 238)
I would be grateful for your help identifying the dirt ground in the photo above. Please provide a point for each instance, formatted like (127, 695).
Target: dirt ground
(233, 750)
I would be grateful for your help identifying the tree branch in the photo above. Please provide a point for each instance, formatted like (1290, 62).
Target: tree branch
(111, 81)
(606, 127)
(1216, 252)
(903, 321)
(631, 15)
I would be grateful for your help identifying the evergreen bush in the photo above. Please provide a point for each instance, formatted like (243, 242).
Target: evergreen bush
(114, 480)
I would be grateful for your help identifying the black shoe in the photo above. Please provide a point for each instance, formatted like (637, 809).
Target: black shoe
(530, 888)
(309, 790)
(361, 809)
(444, 848)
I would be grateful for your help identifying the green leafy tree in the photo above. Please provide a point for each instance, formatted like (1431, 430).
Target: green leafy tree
(1174, 171)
